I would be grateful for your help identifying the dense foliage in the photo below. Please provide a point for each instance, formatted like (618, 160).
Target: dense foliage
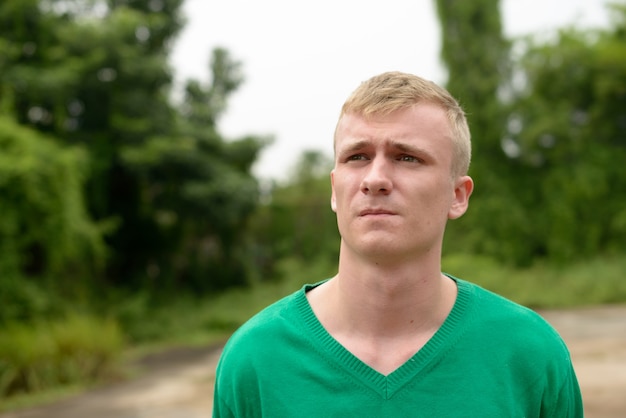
(128, 189)
(46, 235)
(548, 136)
(567, 143)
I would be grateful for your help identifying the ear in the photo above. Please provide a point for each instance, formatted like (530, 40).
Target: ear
(333, 199)
(463, 188)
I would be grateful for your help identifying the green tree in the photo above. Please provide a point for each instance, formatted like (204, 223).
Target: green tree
(99, 79)
(546, 129)
(199, 187)
(476, 55)
(94, 73)
(45, 231)
(567, 129)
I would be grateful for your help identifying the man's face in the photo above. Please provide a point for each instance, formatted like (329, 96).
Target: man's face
(392, 185)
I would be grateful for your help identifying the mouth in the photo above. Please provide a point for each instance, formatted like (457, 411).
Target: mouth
(375, 212)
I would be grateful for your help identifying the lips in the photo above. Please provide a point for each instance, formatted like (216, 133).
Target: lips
(376, 211)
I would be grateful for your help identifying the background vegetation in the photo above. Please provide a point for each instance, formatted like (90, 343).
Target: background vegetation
(127, 219)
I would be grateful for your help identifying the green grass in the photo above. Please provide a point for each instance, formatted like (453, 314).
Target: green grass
(46, 355)
(580, 283)
(27, 400)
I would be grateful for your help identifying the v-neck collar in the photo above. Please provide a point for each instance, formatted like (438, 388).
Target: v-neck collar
(386, 385)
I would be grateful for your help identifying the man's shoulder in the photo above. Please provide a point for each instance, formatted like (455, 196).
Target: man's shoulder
(505, 319)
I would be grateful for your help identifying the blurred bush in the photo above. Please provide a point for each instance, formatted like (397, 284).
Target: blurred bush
(76, 349)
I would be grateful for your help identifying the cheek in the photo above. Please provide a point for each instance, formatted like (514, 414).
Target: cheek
(434, 200)
(341, 200)
(346, 190)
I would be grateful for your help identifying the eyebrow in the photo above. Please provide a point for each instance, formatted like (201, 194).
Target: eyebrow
(397, 145)
(355, 146)
(401, 146)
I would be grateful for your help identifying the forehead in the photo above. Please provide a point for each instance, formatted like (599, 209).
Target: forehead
(421, 124)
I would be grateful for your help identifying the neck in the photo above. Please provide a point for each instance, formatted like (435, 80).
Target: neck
(376, 299)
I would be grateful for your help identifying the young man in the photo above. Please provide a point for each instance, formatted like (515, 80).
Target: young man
(391, 335)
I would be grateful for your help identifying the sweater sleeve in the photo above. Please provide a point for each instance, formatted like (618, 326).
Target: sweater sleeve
(568, 401)
(220, 409)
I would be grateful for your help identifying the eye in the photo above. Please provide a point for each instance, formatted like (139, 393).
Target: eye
(409, 159)
(356, 157)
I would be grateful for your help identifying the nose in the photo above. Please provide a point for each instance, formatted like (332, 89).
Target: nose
(377, 179)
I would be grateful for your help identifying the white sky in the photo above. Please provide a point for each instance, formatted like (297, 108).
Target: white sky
(301, 60)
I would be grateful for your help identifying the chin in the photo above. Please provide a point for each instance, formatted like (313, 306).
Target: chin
(386, 248)
(381, 249)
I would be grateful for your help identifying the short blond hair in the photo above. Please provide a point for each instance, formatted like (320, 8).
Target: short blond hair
(391, 91)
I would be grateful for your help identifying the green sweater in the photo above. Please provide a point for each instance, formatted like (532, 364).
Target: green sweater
(490, 358)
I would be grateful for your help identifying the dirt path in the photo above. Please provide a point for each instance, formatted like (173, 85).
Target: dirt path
(179, 384)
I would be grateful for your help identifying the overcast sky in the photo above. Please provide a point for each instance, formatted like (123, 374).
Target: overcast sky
(301, 59)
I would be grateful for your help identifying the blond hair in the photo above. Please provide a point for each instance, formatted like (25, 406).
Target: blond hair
(391, 91)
